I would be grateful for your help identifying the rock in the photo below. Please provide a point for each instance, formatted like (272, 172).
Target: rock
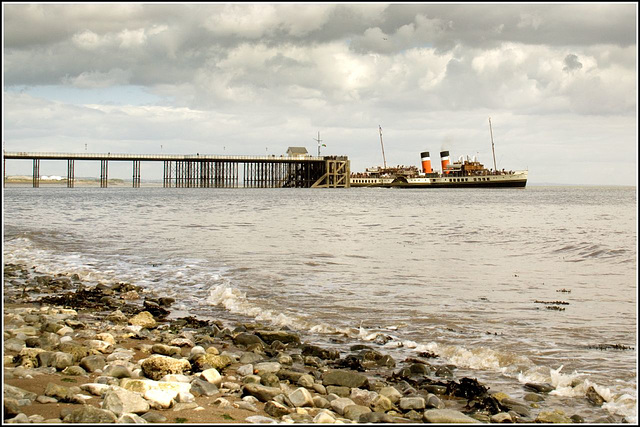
(553, 417)
(12, 392)
(259, 419)
(156, 367)
(300, 398)
(594, 397)
(391, 393)
(266, 368)
(88, 414)
(208, 360)
(444, 371)
(339, 390)
(74, 371)
(159, 399)
(270, 380)
(285, 337)
(203, 388)
(275, 409)
(446, 416)
(354, 412)
(381, 404)
(212, 376)
(246, 339)
(95, 388)
(19, 419)
(131, 419)
(263, 393)
(345, 378)
(539, 388)
(121, 401)
(154, 417)
(433, 401)
(93, 363)
(338, 405)
(61, 393)
(245, 370)
(324, 418)
(501, 417)
(321, 402)
(375, 418)
(11, 408)
(533, 397)
(165, 350)
(250, 358)
(117, 317)
(117, 371)
(313, 350)
(143, 319)
(409, 403)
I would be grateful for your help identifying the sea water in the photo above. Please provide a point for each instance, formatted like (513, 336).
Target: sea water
(510, 285)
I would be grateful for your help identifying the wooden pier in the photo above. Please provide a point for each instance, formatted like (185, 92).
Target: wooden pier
(198, 171)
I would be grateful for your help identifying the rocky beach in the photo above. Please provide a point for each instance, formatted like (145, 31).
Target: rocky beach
(113, 353)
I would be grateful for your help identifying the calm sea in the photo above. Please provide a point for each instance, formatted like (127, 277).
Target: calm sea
(510, 285)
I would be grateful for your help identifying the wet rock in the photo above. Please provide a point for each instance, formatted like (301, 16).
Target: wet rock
(246, 339)
(322, 353)
(539, 388)
(432, 401)
(285, 337)
(552, 417)
(594, 397)
(446, 416)
(345, 378)
(156, 367)
(576, 419)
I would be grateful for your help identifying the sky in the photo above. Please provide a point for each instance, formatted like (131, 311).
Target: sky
(559, 82)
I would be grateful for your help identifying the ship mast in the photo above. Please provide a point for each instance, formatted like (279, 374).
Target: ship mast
(383, 158)
(495, 168)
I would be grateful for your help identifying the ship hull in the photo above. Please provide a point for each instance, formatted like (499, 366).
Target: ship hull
(516, 180)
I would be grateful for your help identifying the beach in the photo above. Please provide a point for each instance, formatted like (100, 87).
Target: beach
(111, 352)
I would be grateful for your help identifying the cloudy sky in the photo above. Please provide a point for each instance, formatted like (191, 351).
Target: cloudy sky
(559, 82)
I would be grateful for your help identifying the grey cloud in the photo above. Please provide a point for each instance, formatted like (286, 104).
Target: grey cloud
(571, 63)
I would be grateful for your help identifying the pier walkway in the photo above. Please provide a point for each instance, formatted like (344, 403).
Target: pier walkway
(206, 170)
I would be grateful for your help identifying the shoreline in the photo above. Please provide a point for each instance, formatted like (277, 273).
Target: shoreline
(87, 354)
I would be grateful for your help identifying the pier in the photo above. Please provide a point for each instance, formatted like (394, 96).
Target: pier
(200, 171)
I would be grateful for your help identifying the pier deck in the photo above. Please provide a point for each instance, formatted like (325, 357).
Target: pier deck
(206, 170)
